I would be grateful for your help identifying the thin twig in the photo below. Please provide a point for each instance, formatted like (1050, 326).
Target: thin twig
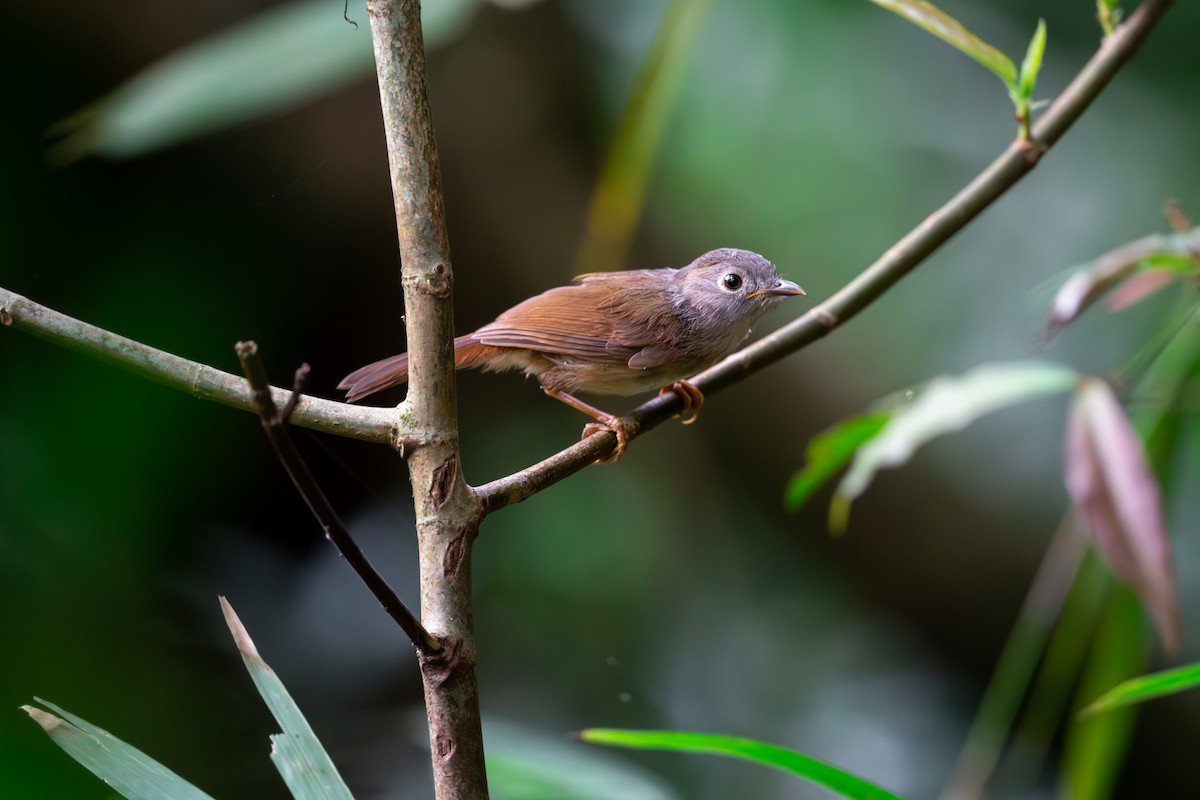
(274, 422)
(1013, 164)
(198, 380)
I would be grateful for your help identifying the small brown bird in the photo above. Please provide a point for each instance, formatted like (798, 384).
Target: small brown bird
(616, 333)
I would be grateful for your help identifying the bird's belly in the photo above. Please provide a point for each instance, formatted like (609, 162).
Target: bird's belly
(615, 377)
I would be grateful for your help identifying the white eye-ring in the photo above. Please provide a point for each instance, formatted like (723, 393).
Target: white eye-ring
(732, 281)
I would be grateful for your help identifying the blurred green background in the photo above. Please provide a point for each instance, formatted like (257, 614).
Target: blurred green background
(669, 592)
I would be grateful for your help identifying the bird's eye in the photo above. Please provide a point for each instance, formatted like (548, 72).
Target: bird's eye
(732, 281)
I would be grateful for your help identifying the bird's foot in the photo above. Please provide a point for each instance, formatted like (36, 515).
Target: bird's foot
(692, 398)
(616, 427)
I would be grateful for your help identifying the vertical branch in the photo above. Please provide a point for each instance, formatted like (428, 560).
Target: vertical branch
(447, 512)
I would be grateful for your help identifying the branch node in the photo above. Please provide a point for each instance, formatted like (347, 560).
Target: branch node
(443, 482)
(445, 746)
(441, 666)
(1032, 150)
(436, 282)
(826, 317)
(456, 552)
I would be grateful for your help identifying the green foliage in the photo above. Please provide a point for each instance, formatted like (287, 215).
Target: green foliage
(126, 769)
(953, 32)
(298, 755)
(281, 58)
(1147, 687)
(1095, 747)
(943, 405)
(1022, 93)
(828, 452)
(832, 778)
(1020, 85)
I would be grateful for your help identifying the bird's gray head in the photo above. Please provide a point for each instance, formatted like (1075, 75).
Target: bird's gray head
(732, 287)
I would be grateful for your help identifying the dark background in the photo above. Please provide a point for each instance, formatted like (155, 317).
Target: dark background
(672, 591)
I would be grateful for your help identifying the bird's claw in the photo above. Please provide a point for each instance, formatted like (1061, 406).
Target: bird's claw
(614, 426)
(691, 396)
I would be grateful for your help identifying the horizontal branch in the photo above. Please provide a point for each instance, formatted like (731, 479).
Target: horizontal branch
(1013, 164)
(198, 380)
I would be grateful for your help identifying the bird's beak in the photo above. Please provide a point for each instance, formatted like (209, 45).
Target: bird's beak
(783, 289)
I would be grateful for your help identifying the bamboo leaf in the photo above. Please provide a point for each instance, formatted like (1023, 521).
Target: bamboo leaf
(946, 404)
(951, 31)
(1147, 687)
(274, 61)
(1123, 267)
(828, 452)
(129, 771)
(1113, 486)
(1095, 748)
(768, 755)
(305, 766)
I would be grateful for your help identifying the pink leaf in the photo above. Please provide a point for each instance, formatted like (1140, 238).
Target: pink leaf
(1082, 288)
(1115, 491)
(1138, 287)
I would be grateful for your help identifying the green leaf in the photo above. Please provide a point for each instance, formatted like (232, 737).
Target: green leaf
(828, 452)
(946, 405)
(274, 61)
(1033, 62)
(950, 30)
(126, 769)
(305, 766)
(1096, 747)
(768, 755)
(1147, 687)
(1181, 262)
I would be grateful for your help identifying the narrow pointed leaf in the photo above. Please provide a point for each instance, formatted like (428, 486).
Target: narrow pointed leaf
(1147, 687)
(298, 755)
(946, 405)
(828, 452)
(1115, 490)
(819, 772)
(1150, 253)
(274, 61)
(950, 30)
(129, 771)
(1138, 287)
(1095, 748)
(1033, 61)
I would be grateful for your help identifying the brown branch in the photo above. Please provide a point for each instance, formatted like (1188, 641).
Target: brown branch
(198, 380)
(447, 512)
(1013, 164)
(274, 422)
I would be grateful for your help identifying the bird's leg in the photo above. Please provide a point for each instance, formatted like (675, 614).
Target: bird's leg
(604, 422)
(692, 398)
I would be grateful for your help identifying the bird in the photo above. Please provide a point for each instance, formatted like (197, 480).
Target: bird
(616, 333)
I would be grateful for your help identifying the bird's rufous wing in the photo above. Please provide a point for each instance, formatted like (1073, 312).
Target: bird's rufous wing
(570, 320)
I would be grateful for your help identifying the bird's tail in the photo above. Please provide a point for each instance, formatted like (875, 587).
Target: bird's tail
(393, 371)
